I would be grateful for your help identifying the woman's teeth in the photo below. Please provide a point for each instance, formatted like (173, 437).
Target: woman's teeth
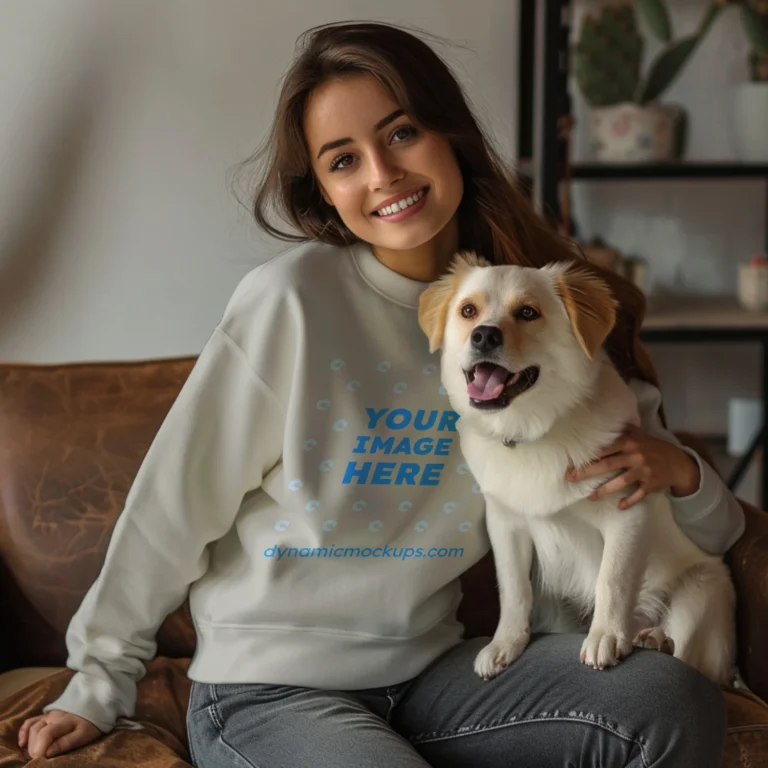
(401, 205)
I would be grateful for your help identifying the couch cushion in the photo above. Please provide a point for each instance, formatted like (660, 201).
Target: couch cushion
(161, 709)
(73, 438)
(747, 740)
(13, 681)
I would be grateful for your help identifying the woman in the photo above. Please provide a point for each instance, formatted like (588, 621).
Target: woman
(307, 489)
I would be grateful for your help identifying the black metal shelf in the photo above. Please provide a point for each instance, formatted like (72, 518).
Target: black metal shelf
(545, 100)
(669, 170)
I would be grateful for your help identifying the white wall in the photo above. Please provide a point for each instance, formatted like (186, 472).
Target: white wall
(119, 123)
(693, 233)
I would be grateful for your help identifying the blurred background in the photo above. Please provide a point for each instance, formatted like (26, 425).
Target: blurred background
(640, 127)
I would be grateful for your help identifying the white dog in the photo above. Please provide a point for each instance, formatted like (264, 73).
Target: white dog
(524, 366)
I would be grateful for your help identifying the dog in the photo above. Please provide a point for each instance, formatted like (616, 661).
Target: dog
(523, 362)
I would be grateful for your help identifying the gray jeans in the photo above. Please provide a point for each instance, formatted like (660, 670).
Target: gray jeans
(547, 709)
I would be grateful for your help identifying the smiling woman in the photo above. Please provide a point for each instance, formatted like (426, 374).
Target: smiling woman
(315, 417)
(370, 116)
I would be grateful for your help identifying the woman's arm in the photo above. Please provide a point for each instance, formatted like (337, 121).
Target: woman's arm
(222, 434)
(650, 459)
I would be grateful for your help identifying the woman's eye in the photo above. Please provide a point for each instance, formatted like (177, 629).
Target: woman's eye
(403, 132)
(342, 161)
(528, 313)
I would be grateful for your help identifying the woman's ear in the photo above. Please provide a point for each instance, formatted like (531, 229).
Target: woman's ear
(590, 305)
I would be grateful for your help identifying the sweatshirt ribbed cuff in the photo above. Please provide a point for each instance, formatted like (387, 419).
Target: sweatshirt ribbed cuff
(78, 700)
(710, 488)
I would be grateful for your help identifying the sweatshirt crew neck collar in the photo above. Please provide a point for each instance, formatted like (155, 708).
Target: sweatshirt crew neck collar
(394, 286)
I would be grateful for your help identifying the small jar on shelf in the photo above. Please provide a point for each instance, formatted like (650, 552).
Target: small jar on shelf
(752, 288)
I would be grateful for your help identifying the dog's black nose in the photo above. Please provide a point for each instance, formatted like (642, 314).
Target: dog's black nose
(486, 338)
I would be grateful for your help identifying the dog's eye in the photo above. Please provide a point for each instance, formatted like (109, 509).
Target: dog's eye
(527, 313)
(468, 310)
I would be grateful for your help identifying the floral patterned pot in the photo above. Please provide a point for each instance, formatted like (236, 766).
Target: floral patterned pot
(630, 133)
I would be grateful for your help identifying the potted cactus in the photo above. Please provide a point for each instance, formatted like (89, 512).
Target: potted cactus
(627, 122)
(750, 99)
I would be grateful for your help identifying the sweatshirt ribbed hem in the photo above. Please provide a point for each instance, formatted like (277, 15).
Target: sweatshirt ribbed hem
(315, 658)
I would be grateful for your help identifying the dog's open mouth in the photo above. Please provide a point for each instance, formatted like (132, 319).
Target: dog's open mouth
(491, 386)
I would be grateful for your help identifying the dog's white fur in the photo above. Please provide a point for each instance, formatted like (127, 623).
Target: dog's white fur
(633, 577)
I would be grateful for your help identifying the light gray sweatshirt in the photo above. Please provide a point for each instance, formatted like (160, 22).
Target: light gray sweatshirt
(307, 491)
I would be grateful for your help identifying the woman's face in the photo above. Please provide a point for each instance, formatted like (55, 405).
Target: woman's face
(369, 156)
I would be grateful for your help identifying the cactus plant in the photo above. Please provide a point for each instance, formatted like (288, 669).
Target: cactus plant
(607, 58)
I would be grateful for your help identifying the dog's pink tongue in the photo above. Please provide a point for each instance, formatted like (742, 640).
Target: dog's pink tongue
(488, 383)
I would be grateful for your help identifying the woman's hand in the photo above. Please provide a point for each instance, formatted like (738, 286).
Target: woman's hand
(648, 462)
(56, 732)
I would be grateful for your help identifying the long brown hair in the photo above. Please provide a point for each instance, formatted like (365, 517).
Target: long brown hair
(495, 218)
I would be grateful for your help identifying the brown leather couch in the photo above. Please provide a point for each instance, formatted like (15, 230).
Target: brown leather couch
(71, 440)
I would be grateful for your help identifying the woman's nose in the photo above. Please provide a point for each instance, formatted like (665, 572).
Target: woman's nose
(383, 170)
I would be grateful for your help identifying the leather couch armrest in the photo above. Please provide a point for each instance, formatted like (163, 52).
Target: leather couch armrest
(748, 562)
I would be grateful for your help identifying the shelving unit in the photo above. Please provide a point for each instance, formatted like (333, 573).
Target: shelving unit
(543, 94)
(672, 170)
(690, 170)
(711, 321)
(545, 34)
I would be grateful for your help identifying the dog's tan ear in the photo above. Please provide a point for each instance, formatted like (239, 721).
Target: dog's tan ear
(590, 305)
(433, 309)
(435, 300)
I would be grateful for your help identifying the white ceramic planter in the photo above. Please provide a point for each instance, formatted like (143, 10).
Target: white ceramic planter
(630, 133)
(749, 122)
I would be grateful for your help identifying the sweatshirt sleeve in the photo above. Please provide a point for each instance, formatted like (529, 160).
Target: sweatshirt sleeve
(711, 516)
(221, 436)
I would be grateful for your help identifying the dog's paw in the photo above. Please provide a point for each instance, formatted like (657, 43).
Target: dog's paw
(499, 654)
(604, 648)
(655, 639)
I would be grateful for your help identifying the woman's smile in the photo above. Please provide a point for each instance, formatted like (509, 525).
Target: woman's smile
(402, 206)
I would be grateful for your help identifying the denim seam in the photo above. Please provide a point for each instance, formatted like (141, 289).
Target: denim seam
(213, 710)
(192, 756)
(454, 735)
